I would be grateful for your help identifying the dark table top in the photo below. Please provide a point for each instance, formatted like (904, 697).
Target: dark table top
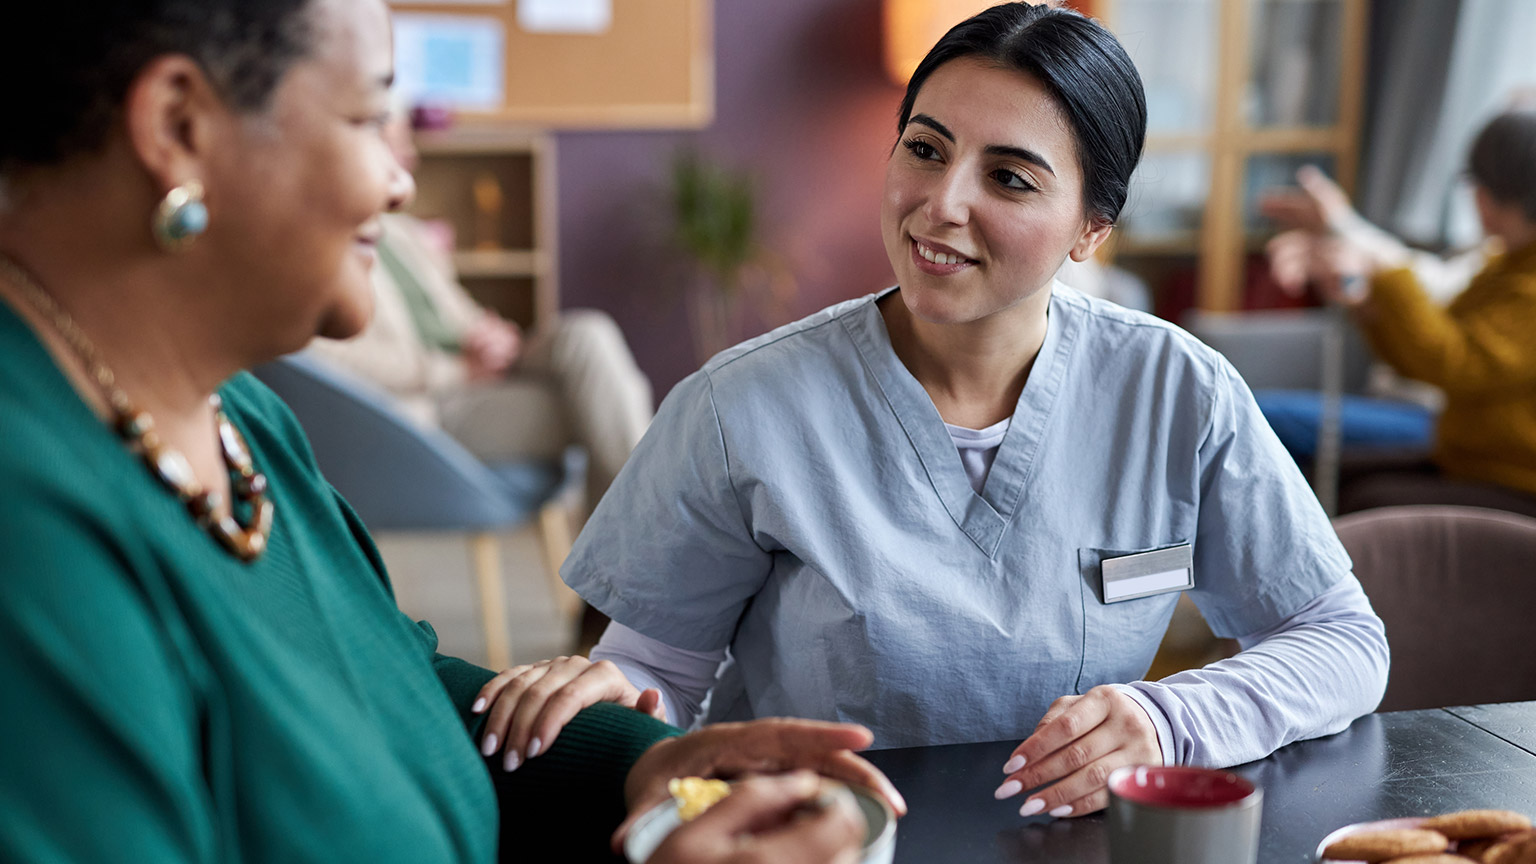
(1515, 722)
(1409, 763)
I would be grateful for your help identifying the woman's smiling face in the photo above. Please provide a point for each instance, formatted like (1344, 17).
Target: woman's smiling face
(302, 187)
(984, 194)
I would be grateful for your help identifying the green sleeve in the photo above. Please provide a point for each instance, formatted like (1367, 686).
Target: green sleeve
(565, 804)
(99, 743)
(461, 679)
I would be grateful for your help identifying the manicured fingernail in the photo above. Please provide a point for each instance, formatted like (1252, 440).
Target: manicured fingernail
(1013, 765)
(512, 761)
(1008, 790)
(478, 706)
(1062, 812)
(488, 746)
(534, 747)
(1032, 806)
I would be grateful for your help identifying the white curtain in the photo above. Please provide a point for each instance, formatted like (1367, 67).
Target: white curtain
(1421, 128)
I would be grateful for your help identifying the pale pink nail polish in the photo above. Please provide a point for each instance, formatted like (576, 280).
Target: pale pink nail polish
(1032, 806)
(1013, 765)
(478, 706)
(1062, 812)
(1008, 790)
(488, 746)
(534, 747)
(512, 761)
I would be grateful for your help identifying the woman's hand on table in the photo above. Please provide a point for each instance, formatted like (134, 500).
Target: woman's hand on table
(530, 704)
(769, 746)
(768, 819)
(1071, 753)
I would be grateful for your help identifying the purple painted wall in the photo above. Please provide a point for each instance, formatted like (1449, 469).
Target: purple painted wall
(803, 104)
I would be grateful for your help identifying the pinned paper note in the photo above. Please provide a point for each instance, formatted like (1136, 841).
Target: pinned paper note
(565, 16)
(453, 60)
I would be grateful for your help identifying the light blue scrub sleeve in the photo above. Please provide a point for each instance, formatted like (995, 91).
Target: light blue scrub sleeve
(1270, 571)
(1264, 547)
(668, 552)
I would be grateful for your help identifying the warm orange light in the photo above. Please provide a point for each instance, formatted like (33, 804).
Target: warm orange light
(913, 26)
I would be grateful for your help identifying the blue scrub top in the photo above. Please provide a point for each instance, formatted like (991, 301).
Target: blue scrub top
(800, 501)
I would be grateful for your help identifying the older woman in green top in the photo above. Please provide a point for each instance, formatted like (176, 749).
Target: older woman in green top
(201, 656)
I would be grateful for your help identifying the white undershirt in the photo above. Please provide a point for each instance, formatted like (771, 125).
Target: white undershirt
(978, 449)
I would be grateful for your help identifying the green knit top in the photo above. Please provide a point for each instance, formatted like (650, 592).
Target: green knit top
(166, 702)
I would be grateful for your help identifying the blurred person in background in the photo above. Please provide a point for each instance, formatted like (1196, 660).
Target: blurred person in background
(504, 394)
(1475, 345)
(1317, 210)
(198, 643)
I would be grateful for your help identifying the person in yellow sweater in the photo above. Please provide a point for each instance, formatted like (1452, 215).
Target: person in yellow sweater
(1480, 348)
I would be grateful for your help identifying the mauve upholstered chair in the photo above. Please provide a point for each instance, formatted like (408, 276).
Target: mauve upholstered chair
(1456, 587)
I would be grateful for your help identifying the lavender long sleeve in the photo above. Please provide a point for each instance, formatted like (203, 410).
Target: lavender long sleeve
(1309, 675)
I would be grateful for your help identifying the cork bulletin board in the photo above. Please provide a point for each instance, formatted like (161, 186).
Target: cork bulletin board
(650, 66)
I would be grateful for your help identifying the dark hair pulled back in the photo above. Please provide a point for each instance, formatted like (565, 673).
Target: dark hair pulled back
(1085, 69)
(1503, 160)
(65, 66)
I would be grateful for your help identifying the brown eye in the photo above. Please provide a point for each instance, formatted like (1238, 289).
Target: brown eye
(1011, 180)
(921, 149)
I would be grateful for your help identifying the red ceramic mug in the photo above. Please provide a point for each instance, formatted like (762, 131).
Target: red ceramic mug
(1181, 815)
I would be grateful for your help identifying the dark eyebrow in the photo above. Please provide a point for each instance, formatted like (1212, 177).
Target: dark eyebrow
(1019, 153)
(934, 125)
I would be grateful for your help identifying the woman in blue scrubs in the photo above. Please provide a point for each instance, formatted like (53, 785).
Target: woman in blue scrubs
(963, 509)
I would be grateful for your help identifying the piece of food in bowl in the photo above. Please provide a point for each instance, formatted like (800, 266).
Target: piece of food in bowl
(694, 795)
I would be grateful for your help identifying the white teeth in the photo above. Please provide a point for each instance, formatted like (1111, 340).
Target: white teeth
(937, 257)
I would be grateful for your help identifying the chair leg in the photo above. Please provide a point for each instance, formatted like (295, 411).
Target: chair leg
(485, 547)
(555, 540)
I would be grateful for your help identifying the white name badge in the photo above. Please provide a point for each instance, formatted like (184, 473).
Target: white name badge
(1146, 573)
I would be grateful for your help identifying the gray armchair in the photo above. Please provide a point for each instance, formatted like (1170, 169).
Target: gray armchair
(1300, 349)
(401, 476)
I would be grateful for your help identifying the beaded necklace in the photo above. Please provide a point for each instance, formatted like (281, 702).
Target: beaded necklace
(137, 429)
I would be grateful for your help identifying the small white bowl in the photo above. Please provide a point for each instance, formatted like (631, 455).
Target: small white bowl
(879, 835)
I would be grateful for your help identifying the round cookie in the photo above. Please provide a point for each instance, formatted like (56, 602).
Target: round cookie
(1469, 824)
(1476, 849)
(1385, 845)
(1519, 850)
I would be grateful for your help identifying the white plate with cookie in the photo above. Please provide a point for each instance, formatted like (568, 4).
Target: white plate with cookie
(1451, 837)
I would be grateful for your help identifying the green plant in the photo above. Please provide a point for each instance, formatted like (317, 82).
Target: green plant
(715, 210)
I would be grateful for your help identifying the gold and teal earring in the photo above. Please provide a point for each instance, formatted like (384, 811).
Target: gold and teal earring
(180, 217)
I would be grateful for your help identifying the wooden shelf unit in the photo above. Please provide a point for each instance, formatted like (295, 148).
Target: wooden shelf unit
(1228, 144)
(496, 187)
